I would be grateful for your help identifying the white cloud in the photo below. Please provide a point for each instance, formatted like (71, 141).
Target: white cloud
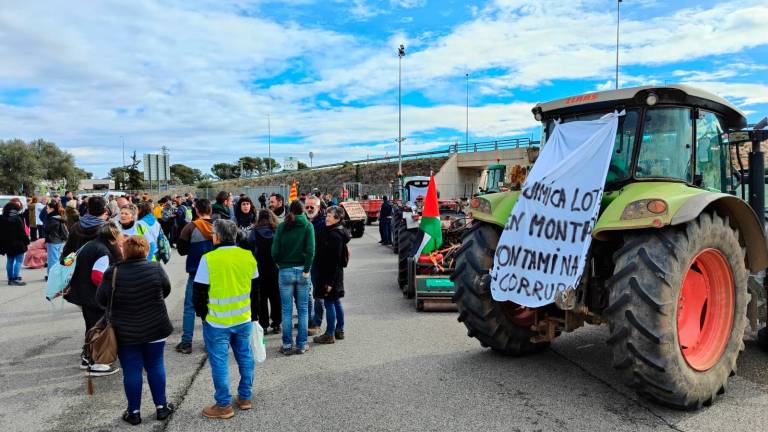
(743, 94)
(191, 74)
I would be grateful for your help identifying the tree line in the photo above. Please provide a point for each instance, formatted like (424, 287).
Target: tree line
(23, 165)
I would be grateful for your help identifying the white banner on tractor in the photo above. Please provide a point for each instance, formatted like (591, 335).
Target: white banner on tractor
(543, 248)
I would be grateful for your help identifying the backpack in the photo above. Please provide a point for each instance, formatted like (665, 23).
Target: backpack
(186, 211)
(166, 213)
(60, 275)
(163, 248)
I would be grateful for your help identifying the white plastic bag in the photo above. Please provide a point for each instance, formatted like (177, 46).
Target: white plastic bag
(259, 343)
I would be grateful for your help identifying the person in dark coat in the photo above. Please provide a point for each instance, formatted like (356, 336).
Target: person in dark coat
(316, 215)
(263, 200)
(55, 231)
(260, 243)
(141, 324)
(385, 222)
(333, 257)
(92, 261)
(13, 240)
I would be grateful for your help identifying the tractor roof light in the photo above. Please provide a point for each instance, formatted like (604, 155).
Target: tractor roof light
(644, 208)
(652, 99)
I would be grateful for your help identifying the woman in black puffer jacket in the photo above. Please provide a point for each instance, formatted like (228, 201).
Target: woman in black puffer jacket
(141, 324)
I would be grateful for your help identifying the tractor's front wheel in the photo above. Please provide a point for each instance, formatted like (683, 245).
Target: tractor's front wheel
(678, 309)
(395, 229)
(503, 326)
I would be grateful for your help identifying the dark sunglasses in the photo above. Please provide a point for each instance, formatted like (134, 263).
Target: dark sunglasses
(309, 207)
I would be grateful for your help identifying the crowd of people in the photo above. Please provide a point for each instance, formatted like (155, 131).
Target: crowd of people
(246, 262)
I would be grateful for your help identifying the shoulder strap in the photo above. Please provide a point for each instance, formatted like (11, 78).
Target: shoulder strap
(108, 313)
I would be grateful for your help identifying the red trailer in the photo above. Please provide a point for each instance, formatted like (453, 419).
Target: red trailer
(371, 207)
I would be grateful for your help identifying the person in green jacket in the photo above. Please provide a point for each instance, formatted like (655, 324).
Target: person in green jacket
(293, 250)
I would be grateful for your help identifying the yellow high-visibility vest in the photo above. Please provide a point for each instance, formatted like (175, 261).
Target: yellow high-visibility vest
(230, 272)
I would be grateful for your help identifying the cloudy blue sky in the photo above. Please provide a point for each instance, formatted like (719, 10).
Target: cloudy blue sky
(201, 76)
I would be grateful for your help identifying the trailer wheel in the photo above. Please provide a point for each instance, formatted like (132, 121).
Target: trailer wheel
(405, 240)
(502, 326)
(678, 309)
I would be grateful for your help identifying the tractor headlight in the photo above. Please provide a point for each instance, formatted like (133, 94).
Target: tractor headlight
(652, 99)
(481, 205)
(644, 209)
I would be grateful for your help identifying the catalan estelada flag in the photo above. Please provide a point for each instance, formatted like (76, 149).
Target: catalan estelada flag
(430, 236)
(294, 194)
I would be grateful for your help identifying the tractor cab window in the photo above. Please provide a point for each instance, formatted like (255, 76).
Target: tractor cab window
(665, 149)
(621, 159)
(711, 153)
(495, 178)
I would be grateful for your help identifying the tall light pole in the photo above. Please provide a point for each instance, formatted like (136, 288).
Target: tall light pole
(123, 175)
(400, 55)
(618, 4)
(269, 144)
(466, 139)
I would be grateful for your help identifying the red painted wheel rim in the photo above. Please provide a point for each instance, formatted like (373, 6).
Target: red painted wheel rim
(521, 316)
(705, 310)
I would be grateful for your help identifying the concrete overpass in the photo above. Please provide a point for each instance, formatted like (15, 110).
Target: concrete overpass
(464, 173)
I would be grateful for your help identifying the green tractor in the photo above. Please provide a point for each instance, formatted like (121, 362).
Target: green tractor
(674, 254)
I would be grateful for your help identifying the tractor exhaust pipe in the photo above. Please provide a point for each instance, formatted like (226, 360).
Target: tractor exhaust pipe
(757, 171)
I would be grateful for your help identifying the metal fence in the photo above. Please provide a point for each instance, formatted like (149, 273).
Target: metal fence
(354, 190)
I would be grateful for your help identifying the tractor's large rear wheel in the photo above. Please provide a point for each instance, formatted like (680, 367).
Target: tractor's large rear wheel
(502, 326)
(405, 243)
(678, 309)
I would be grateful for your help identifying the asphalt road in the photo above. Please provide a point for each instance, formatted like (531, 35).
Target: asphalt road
(397, 369)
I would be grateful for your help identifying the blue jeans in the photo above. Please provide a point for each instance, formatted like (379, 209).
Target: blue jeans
(217, 343)
(294, 286)
(316, 315)
(13, 266)
(188, 323)
(54, 253)
(335, 315)
(135, 359)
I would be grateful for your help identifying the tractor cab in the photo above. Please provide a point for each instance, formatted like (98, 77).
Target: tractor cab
(673, 133)
(413, 188)
(494, 178)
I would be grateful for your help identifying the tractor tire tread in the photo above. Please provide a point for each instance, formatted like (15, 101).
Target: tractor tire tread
(649, 270)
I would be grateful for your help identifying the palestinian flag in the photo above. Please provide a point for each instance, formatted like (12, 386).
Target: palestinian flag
(430, 236)
(293, 195)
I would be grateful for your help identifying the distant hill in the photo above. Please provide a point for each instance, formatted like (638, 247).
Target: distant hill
(375, 177)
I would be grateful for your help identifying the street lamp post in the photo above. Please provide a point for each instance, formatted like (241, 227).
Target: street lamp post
(466, 138)
(269, 144)
(400, 55)
(618, 4)
(123, 172)
(311, 156)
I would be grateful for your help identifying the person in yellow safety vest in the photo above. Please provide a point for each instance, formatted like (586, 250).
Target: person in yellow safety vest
(222, 292)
